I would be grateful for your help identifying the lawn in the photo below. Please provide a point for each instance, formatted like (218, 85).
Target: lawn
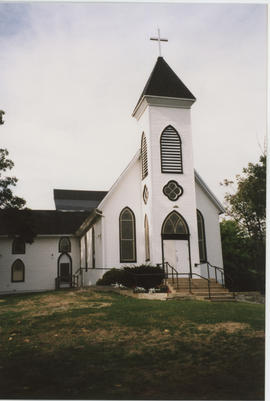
(84, 344)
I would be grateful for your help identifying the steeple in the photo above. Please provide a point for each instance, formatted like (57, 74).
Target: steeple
(164, 83)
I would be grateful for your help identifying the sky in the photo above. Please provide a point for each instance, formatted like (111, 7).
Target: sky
(71, 75)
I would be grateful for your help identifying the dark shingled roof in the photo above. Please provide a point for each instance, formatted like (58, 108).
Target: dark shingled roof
(43, 222)
(66, 199)
(164, 82)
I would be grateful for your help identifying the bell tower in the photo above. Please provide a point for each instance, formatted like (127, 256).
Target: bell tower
(167, 181)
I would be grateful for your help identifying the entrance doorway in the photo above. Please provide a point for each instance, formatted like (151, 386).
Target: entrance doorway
(176, 253)
(175, 242)
(64, 270)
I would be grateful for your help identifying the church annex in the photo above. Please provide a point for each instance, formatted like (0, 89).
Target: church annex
(159, 210)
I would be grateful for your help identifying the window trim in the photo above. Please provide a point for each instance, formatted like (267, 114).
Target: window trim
(13, 246)
(174, 235)
(12, 267)
(180, 153)
(146, 239)
(59, 245)
(144, 157)
(93, 248)
(134, 259)
(203, 240)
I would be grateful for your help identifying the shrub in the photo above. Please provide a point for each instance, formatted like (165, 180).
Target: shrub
(145, 276)
(114, 276)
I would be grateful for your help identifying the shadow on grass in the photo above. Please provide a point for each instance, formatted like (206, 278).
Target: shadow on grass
(110, 370)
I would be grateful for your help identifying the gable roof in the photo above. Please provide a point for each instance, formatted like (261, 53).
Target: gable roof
(120, 178)
(198, 179)
(42, 222)
(164, 82)
(208, 192)
(66, 199)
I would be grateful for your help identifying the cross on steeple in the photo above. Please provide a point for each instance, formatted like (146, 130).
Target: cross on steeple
(159, 40)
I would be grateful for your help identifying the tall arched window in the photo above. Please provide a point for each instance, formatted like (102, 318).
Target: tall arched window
(201, 237)
(127, 234)
(144, 156)
(171, 151)
(93, 248)
(174, 226)
(64, 245)
(146, 238)
(17, 271)
(18, 246)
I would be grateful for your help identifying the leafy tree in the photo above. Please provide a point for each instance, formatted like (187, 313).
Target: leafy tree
(7, 199)
(17, 222)
(248, 205)
(247, 209)
(239, 275)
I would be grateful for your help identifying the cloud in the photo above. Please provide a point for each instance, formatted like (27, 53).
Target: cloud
(72, 73)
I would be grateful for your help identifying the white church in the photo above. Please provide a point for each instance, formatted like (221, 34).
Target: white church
(159, 210)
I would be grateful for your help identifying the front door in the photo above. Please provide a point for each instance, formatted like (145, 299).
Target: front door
(64, 270)
(176, 253)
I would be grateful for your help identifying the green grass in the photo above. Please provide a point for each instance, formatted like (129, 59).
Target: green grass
(92, 345)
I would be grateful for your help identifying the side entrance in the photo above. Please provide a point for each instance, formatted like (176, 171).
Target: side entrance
(64, 274)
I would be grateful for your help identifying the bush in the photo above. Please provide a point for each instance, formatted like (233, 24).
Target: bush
(145, 276)
(114, 276)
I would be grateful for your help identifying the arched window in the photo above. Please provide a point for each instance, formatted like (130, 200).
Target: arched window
(174, 226)
(17, 271)
(201, 237)
(93, 248)
(127, 234)
(18, 246)
(146, 238)
(64, 245)
(144, 156)
(171, 151)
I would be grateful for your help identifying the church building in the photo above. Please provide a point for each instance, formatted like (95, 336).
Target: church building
(159, 209)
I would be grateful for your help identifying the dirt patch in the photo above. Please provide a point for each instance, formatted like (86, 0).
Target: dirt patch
(64, 306)
(229, 327)
(58, 303)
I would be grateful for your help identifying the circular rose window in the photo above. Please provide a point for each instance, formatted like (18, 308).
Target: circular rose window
(173, 190)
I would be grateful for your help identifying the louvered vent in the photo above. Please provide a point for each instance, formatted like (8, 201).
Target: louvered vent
(171, 151)
(144, 157)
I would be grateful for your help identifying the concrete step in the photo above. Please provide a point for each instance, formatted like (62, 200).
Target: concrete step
(184, 279)
(196, 286)
(193, 289)
(194, 282)
(223, 299)
(212, 294)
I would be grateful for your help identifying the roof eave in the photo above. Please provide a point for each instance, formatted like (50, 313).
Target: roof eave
(208, 191)
(88, 222)
(161, 101)
(122, 175)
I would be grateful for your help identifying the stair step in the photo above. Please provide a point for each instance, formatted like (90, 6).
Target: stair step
(225, 299)
(212, 289)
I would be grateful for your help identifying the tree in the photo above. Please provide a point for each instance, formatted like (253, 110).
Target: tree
(17, 219)
(239, 275)
(247, 209)
(7, 199)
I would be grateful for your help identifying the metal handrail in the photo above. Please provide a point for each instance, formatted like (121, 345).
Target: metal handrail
(73, 280)
(222, 272)
(208, 282)
(177, 274)
(173, 273)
